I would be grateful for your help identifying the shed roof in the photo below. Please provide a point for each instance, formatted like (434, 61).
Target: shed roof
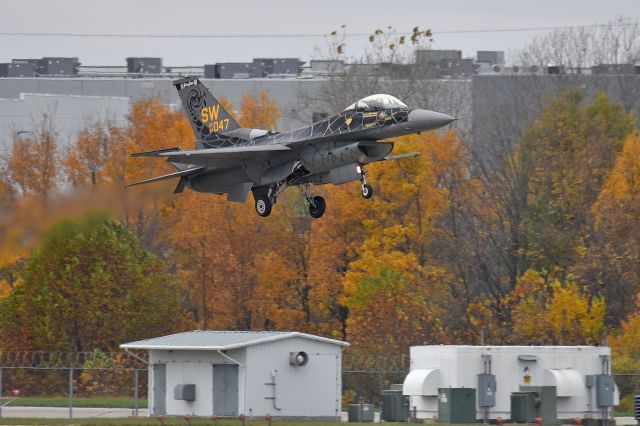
(220, 340)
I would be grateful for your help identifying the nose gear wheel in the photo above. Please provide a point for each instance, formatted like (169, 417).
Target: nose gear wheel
(367, 190)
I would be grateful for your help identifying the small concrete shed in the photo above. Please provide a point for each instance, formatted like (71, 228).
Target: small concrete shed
(255, 373)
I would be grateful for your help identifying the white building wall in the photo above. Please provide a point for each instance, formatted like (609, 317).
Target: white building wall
(313, 390)
(460, 365)
(194, 367)
(69, 113)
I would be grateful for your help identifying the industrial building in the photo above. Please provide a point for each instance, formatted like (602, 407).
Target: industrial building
(462, 384)
(494, 101)
(228, 373)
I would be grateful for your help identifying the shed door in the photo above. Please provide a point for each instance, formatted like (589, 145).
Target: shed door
(159, 389)
(225, 389)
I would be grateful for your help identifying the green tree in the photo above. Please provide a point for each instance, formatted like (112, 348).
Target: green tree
(89, 285)
(564, 159)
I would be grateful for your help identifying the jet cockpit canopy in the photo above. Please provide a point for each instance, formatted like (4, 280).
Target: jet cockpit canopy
(376, 103)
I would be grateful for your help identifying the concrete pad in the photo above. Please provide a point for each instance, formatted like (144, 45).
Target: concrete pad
(63, 412)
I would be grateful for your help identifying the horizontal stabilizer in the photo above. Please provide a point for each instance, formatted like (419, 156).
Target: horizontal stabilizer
(156, 153)
(400, 156)
(183, 173)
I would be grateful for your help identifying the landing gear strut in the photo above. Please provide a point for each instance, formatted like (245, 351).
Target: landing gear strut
(367, 190)
(317, 204)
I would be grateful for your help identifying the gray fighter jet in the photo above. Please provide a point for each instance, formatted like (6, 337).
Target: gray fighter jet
(231, 160)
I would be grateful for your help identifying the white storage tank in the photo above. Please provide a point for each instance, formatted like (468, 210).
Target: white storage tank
(581, 376)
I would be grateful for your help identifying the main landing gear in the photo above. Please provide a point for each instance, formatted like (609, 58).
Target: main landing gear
(263, 206)
(265, 197)
(317, 204)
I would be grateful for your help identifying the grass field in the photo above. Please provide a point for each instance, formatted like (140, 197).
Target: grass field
(92, 402)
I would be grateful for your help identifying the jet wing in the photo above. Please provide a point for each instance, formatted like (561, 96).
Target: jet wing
(217, 157)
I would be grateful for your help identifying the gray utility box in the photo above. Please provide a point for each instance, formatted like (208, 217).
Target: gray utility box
(456, 405)
(524, 406)
(360, 413)
(394, 406)
(604, 390)
(486, 390)
(532, 402)
(185, 392)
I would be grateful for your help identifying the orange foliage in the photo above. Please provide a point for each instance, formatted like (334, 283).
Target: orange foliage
(33, 164)
(259, 112)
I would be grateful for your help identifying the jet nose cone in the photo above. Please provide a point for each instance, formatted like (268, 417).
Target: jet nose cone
(422, 119)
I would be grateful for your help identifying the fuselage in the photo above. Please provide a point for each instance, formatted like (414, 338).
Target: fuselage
(320, 149)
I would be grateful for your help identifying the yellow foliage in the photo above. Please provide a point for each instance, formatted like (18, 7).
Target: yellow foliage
(622, 189)
(558, 313)
(259, 112)
(574, 318)
(625, 347)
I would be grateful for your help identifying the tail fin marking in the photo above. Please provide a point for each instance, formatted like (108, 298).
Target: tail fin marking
(204, 112)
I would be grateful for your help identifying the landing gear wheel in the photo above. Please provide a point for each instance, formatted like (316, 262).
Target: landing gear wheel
(263, 206)
(367, 190)
(317, 206)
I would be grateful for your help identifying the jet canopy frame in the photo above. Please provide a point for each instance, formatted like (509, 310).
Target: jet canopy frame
(376, 102)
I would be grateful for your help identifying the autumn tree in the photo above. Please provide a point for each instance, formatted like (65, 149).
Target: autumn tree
(565, 158)
(87, 159)
(33, 164)
(556, 313)
(259, 112)
(395, 257)
(625, 351)
(533, 210)
(215, 246)
(213, 243)
(300, 278)
(609, 263)
(89, 285)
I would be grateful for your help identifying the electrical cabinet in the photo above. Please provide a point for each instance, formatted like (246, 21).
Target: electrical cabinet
(486, 390)
(185, 392)
(360, 413)
(456, 405)
(394, 406)
(604, 390)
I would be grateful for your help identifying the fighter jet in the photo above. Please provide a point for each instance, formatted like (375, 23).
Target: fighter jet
(232, 160)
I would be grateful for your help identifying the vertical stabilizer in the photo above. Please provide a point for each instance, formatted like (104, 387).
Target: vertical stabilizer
(206, 115)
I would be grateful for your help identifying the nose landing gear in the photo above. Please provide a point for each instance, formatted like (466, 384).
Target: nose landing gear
(367, 190)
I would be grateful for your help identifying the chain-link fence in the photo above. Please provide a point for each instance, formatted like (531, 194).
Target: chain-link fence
(120, 380)
(368, 384)
(78, 379)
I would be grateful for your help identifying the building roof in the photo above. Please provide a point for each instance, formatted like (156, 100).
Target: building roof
(220, 340)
